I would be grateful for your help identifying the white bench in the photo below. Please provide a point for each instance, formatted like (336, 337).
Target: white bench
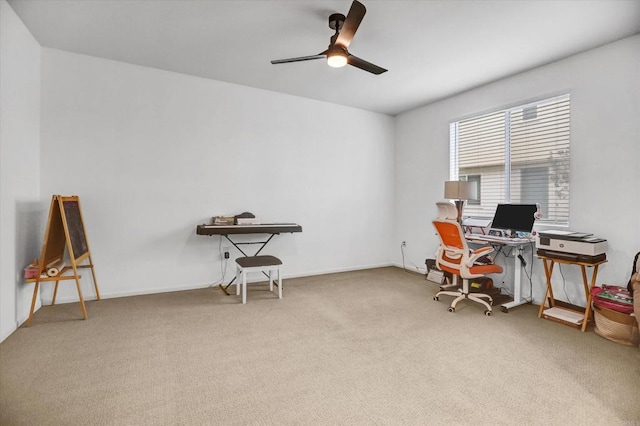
(257, 264)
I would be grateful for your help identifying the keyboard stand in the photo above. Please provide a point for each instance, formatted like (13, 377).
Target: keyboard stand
(226, 230)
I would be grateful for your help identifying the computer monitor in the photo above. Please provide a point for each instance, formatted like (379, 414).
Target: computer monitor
(515, 217)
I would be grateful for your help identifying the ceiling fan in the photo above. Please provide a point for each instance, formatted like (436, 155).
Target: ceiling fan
(337, 54)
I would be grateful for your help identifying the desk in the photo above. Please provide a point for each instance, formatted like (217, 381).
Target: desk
(549, 263)
(520, 244)
(271, 229)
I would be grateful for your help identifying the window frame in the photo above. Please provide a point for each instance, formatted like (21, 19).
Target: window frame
(558, 213)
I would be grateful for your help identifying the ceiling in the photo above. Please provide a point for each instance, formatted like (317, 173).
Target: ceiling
(432, 49)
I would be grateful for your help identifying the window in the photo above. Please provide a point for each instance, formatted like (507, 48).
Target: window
(476, 179)
(519, 155)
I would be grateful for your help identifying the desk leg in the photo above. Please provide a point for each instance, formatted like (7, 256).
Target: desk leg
(517, 274)
(517, 284)
(548, 295)
(587, 290)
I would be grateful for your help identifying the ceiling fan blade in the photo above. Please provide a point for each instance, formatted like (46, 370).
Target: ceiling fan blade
(364, 65)
(351, 23)
(300, 59)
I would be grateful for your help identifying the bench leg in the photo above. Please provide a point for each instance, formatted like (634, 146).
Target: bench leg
(244, 287)
(238, 272)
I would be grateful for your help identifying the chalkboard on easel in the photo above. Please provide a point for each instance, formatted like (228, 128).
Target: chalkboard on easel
(75, 226)
(65, 229)
(55, 239)
(64, 232)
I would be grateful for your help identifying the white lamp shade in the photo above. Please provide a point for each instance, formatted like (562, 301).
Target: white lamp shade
(460, 190)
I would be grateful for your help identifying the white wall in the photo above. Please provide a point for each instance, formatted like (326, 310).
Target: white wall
(19, 165)
(153, 153)
(605, 140)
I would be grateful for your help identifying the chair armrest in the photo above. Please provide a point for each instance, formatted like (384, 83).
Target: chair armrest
(476, 254)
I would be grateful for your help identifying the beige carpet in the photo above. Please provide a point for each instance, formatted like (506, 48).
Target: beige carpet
(367, 347)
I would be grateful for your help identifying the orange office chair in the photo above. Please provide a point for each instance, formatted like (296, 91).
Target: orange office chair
(454, 256)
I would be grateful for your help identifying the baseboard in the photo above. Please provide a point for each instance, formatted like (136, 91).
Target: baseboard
(107, 295)
(408, 268)
(338, 270)
(19, 322)
(7, 333)
(114, 295)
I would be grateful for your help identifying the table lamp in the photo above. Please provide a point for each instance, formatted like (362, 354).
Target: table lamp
(460, 191)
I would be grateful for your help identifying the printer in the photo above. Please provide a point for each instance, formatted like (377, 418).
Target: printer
(577, 243)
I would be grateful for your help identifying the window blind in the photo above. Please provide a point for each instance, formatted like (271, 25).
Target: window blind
(520, 155)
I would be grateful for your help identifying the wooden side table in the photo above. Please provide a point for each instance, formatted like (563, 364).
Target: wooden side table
(549, 263)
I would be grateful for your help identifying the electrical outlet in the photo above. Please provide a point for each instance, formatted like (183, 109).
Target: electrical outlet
(404, 244)
(226, 254)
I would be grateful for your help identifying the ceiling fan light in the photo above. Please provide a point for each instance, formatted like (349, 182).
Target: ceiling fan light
(336, 59)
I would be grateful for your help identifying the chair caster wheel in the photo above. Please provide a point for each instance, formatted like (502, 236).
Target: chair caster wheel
(435, 298)
(451, 309)
(487, 313)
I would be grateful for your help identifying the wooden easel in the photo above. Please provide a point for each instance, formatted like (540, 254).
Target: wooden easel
(65, 229)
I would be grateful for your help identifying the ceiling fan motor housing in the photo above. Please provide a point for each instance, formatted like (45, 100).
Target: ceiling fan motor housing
(336, 20)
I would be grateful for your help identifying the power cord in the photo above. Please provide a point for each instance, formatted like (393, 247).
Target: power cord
(564, 284)
(223, 266)
(532, 244)
(505, 255)
(402, 246)
(523, 263)
(505, 270)
(529, 274)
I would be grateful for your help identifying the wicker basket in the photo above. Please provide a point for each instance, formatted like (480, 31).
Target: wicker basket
(616, 326)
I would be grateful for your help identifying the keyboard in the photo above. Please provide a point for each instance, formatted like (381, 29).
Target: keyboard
(496, 238)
